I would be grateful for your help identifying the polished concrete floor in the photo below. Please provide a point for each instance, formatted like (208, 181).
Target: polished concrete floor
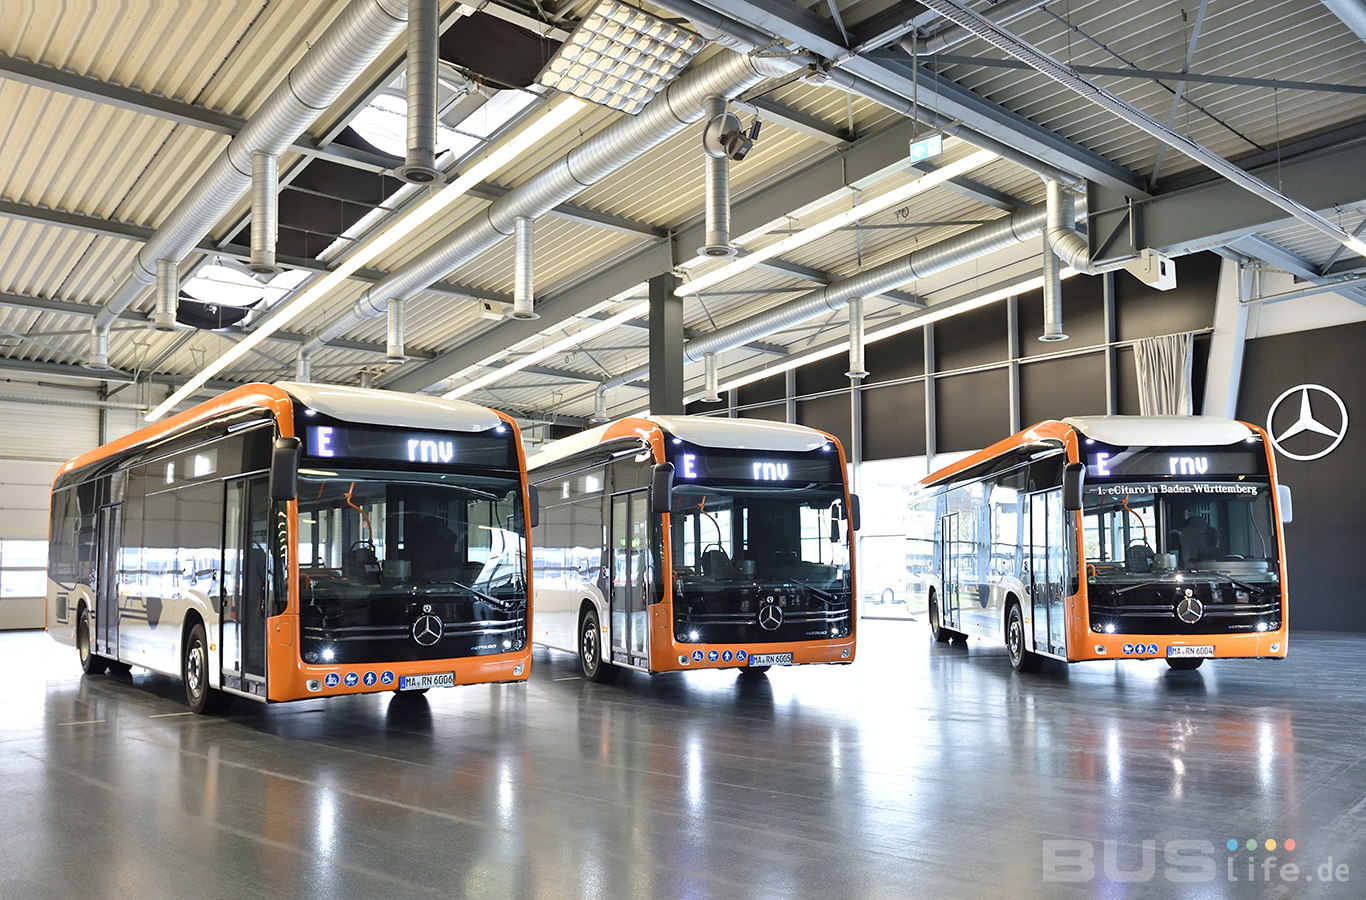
(922, 771)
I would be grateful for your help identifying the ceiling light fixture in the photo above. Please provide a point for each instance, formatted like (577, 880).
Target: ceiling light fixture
(631, 312)
(835, 222)
(620, 57)
(537, 130)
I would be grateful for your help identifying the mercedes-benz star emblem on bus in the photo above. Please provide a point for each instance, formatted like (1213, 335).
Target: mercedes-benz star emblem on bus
(1190, 609)
(770, 616)
(1306, 423)
(427, 629)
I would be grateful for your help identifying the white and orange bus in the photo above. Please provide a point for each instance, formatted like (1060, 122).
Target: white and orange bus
(1111, 537)
(290, 541)
(684, 542)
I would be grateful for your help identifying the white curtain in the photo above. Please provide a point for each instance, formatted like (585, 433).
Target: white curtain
(1164, 375)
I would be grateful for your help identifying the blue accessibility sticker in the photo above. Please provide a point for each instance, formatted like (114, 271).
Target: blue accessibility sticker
(713, 656)
(697, 655)
(351, 679)
(1152, 649)
(740, 655)
(369, 678)
(725, 656)
(332, 679)
(1129, 649)
(386, 677)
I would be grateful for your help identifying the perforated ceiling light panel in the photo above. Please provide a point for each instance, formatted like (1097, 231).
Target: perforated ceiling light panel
(620, 57)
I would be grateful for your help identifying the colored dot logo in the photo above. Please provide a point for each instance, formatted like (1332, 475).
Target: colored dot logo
(1252, 844)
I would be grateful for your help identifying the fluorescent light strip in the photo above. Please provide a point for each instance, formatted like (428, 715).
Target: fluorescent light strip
(524, 140)
(916, 320)
(559, 346)
(820, 229)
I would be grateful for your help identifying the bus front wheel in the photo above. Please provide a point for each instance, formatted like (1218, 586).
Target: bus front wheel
(195, 671)
(937, 629)
(595, 668)
(91, 663)
(1021, 660)
(1184, 663)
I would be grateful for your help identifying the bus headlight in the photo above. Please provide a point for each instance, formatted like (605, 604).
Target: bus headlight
(328, 654)
(693, 635)
(1109, 627)
(1261, 626)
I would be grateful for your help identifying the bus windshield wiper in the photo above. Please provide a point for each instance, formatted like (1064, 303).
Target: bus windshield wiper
(487, 598)
(825, 595)
(1238, 582)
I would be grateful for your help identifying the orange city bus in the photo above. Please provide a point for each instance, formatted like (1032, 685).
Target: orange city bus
(687, 542)
(1111, 537)
(290, 541)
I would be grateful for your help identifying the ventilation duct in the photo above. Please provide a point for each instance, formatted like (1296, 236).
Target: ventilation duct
(265, 212)
(524, 269)
(303, 367)
(367, 379)
(600, 405)
(711, 392)
(1061, 234)
(168, 295)
(1052, 294)
(674, 109)
(394, 351)
(718, 122)
(357, 36)
(99, 351)
(424, 35)
(857, 366)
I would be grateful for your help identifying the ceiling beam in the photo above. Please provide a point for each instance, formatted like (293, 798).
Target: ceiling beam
(1283, 258)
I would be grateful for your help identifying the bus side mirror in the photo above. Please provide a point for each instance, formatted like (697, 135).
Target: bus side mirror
(1284, 502)
(284, 468)
(533, 506)
(662, 488)
(1073, 476)
(855, 514)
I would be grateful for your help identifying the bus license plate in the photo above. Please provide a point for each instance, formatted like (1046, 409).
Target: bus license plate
(770, 659)
(420, 682)
(1202, 652)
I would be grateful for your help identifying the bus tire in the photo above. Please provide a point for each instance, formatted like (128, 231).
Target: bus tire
(939, 632)
(91, 663)
(754, 671)
(195, 672)
(1021, 660)
(1184, 663)
(594, 667)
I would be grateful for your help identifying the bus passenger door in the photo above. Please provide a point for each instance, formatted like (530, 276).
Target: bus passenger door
(948, 552)
(107, 582)
(1047, 565)
(246, 584)
(630, 563)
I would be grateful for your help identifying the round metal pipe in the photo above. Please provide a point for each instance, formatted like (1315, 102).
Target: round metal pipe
(168, 295)
(1061, 232)
(99, 350)
(1052, 294)
(524, 269)
(265, 212)
(424, 34)
(717, 122)
(857, 368)
(711, 392)
(394, 340)
(600, 405)
(303, 367)
(367, 379)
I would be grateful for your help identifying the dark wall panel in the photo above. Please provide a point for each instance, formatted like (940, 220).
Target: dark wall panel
(763, 390)
(829, 414)
(776, 413)
(1126, 382)
(1054, 388)
(899, 356)
(1143, 312)
(973, 410)
(1324, 543)
(894, 421)
(1083, 316)
(824, 375)
(975, 338)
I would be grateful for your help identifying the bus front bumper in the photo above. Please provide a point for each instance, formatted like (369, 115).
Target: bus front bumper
(1263, 644)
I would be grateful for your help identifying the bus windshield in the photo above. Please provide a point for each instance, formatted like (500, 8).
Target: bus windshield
(378, 550)
(735, 550)
(1143, 531)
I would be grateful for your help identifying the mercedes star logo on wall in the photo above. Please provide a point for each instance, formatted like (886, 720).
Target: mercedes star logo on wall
(1306, 423)
(427, 629)
(770, 617)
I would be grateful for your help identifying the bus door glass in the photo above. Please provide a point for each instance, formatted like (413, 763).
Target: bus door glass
(630, 576)
(1047, 570)
(949, 552)
(246, 580)
(107, 582)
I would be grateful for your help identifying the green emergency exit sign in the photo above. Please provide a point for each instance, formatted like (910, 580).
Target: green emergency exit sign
(927, 148)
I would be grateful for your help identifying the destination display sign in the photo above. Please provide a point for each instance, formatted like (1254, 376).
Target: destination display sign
(772, 469)
(400, 445)
(1105, 462)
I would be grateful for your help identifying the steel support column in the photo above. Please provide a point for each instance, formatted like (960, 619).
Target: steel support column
(666, 346)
